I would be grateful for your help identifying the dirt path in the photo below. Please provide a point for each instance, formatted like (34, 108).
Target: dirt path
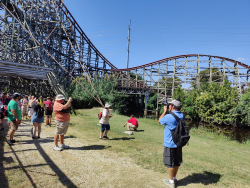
(83, 165)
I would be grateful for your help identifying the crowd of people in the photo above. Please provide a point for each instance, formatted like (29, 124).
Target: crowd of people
(17, 108)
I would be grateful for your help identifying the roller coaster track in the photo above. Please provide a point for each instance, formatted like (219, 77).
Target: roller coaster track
(65, 47)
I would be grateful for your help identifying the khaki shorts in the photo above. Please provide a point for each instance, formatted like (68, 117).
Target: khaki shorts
(61, 127)
(13, 125)
(24, 110)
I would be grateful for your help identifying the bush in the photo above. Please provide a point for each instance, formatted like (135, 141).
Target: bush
(240, 115)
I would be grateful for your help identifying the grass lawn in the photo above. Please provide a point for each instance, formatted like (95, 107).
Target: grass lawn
(209, 159)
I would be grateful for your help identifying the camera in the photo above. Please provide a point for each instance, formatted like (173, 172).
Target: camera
(165, 102)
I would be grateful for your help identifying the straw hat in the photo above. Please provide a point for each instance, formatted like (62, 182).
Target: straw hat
(59, 97)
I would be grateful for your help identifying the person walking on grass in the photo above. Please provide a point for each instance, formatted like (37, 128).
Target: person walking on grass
(62, 118)
(37, 120)
(48, 111)
(14, 116)
(104, 121)
(4, 101)
(132, 123)
(172, 155)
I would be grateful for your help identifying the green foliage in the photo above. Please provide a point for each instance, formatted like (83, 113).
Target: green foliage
(104, 87)
(152, 102)
(188, 105)
(169, 82)
(180, 94)
(204, 77)
(240, 115)
(215, 103)
(134, 76)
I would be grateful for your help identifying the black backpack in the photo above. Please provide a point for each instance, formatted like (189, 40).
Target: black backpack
(181, 133)
(40, 112)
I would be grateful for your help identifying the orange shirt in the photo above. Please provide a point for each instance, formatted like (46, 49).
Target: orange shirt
(60, 116)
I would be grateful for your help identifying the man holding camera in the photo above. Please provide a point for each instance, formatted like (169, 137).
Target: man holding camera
(172, 155)
(62, 118)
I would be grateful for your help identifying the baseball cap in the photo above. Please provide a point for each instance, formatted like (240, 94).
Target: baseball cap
(175, 102)
(15, 95)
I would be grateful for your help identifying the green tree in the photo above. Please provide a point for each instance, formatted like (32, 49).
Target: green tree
(105, 88)
(204, 77)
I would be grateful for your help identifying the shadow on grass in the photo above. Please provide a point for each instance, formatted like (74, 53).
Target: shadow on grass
(139, 131)
(92, 147)
(205, 178)
(123, 138)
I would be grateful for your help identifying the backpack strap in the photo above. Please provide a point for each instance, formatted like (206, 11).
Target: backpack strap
(176, 117)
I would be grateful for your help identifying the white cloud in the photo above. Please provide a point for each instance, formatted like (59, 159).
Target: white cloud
(241, 59)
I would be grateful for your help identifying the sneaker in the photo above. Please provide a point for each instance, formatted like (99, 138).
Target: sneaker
(167, 182)
(49, 125)
(63, 146)
(45, 125)
(1, 129)
(9, 142)
(105, 137)
(100, 138)
(57, 148)
(13, 141)
(175, 180)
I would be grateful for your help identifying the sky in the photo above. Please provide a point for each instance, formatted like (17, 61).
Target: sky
(165, 28)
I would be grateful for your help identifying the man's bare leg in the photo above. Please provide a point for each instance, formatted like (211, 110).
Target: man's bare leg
(173, 172)
(11, 134)
(56, 137)
(61, 139)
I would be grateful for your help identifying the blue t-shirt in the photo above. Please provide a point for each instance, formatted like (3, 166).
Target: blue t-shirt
(170, 124)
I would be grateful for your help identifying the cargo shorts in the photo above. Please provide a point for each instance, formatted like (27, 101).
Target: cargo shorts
(13, 125)
(61, 127)
(172, 157)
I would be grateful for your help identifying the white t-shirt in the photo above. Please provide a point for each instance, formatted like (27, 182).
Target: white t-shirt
(104, 120)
